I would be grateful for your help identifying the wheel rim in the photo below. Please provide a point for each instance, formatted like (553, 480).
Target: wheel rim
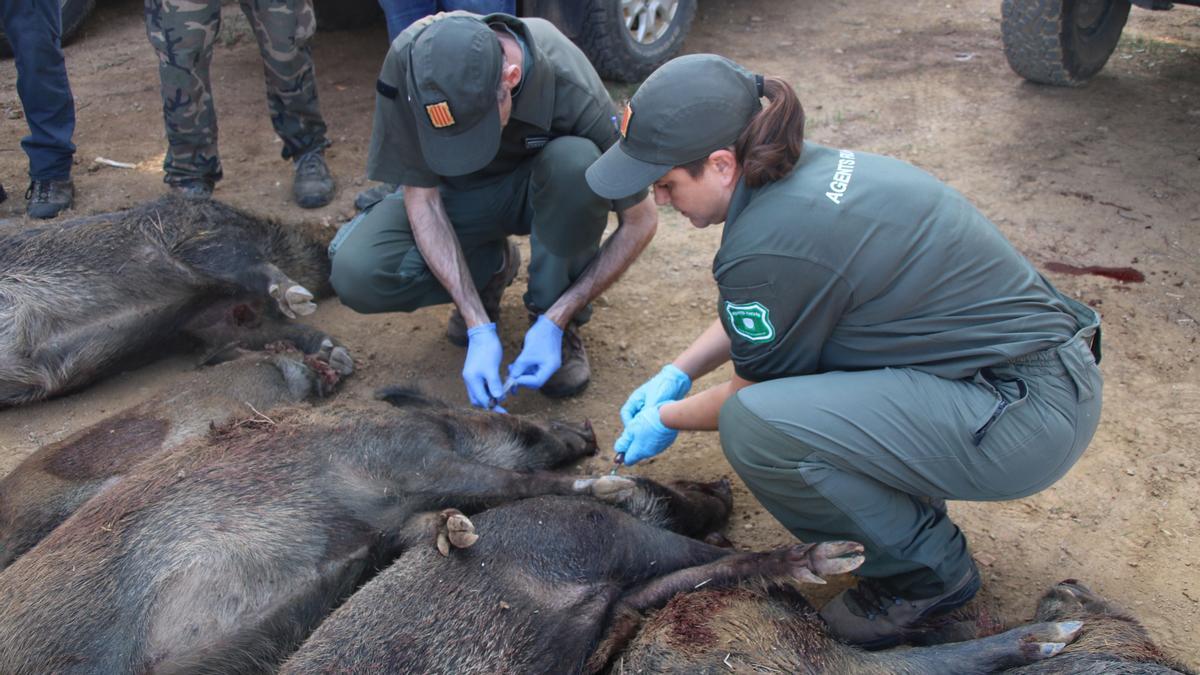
(1089, 15)
(648, 20)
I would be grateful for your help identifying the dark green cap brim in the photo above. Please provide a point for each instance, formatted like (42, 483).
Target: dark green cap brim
(464, 152)
(617, 175)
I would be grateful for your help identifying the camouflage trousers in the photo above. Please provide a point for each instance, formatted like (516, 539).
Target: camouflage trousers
(183, 33)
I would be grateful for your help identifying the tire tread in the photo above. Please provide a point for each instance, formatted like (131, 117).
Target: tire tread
(1040, 48)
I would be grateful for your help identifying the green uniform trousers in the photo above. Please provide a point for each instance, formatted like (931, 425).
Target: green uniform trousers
(377, 267)
(856, 455)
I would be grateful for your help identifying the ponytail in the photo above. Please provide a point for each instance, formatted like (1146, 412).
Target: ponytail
(770, 145)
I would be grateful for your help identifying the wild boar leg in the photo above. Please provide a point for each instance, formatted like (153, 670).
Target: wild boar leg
(472, 486)
(1018, 647)
(802, 562)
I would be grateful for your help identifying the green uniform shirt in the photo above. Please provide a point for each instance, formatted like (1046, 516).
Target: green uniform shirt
(560, 95)
(858, 261)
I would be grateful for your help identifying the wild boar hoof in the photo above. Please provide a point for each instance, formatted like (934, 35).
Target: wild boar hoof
(808, 562)
(337, 357)
(613, 489)
(340, 360)
(277, 295)
(300, 300)
(1042, 640)
(454, 530)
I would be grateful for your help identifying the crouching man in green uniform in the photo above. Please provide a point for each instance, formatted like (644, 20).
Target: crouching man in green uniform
(488, 123)
(890, 348)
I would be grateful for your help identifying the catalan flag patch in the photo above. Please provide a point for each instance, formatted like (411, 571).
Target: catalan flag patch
(625, 120)
(439, 115)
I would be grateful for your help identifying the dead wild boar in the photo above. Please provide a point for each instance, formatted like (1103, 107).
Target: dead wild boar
(83, 298)
(221, 555)
(1112, 640)
(535, 592)
(773, 628)
(50, 484)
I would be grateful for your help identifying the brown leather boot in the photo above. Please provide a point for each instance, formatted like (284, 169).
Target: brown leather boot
(492, 293)
(573, 375)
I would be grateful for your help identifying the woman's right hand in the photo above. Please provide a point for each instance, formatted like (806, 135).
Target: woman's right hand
(670, 384)
(645, 436)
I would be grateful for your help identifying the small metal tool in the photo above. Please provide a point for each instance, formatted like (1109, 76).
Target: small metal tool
(618, 460)
(509, 386)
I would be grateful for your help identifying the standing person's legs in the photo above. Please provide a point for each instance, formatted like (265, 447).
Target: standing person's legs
(480, 6)
(853, 455)
(284, 29)
(183, 32)
(378, 268)
(400, 14)
(34, 30)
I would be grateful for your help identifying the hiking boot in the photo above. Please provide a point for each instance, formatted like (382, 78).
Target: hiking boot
(48, 198)
(373, 195)
(573, 375)
(872, 617)
(196, 189)
(456, 327)
(312, 185)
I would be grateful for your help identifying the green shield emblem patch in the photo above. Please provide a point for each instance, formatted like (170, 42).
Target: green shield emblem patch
(751, 320)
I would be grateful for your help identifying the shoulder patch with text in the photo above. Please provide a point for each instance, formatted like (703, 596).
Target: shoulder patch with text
(750, 320)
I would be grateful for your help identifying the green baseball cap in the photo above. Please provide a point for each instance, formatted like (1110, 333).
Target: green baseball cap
(453, 72)
(689, 107)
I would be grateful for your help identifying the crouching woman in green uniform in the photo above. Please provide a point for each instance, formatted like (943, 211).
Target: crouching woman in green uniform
(890, 348)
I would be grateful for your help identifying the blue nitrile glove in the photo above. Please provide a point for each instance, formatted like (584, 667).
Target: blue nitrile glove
(540, 357)
(670, 384)
(645, 436)
(481, 370)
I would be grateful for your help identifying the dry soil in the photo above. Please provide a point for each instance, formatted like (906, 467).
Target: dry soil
(1104, 175)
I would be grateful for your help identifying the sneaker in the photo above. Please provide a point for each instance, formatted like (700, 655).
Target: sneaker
(456, 327)
(373, 195)
(312, 185)
(573, 375)
(48, 198)
(872, 617)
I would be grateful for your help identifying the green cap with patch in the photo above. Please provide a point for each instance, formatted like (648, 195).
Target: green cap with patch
(685, 110)
(453, 74)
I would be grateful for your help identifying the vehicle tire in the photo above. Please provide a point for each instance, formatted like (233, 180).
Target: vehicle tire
(1061, 42)
(346, 14)
(73, 14)
(626, 40)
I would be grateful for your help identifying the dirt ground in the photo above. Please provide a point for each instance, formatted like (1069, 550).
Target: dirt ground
(1104, 175)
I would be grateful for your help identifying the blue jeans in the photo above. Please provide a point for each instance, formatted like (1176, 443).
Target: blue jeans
(401, 13)
(34, 29)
